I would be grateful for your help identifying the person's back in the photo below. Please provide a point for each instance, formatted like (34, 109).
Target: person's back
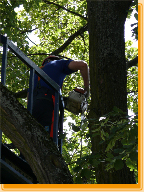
(56, 70)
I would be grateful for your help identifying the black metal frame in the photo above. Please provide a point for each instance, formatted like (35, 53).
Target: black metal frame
(15, 170)
(59, 104)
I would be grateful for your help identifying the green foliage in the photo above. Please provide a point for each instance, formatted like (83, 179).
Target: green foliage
(132, 78)
(77, 152)
(134, 8)
(119, 134)
(5, 139)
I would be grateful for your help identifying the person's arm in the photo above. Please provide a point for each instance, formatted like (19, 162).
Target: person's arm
(83, 67)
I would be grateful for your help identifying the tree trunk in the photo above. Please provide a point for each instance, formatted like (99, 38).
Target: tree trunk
(32, 140)
(107, 72)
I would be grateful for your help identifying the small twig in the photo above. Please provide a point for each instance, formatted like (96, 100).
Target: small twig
(132, 92)
(31, 41)
(61, 7)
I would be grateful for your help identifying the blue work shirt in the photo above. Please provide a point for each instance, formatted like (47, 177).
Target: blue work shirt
(56, 70)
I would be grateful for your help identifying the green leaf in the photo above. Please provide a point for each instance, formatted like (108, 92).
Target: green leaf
(95, 163)
(119, 150)
(136, 16)
(77, 168)
(109, 155)
(62, 136)
(101, 142)
(132, 165)
(88, 135)
(118, 164)
(86, 173)
(78, 180)
(133, 156)
(102, 134)
(120, 156)
(75, 128)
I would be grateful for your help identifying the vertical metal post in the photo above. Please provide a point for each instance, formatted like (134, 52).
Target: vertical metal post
(4, 64)
(61, 127)
(31, 87)
(3, 76)
(56, 118)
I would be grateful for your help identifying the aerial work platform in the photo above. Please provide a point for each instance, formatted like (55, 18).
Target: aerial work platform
(14, 169)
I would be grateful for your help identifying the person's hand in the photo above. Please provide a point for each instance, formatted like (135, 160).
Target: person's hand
(84, 91)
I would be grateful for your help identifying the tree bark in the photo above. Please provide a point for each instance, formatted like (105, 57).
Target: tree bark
(32, 140)
(107, 73)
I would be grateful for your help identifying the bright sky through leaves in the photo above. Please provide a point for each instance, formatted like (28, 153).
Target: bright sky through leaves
(128, 33)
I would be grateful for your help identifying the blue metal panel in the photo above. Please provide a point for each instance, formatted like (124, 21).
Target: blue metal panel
(31, 87)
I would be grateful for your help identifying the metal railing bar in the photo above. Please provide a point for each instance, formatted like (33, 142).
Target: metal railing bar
(3, 39)
(3, 76)
(4, 64)
(56, 117)
(61, 116)
(31, 87)
(31, 64)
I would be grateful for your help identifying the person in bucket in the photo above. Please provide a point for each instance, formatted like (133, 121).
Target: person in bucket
(44, 96)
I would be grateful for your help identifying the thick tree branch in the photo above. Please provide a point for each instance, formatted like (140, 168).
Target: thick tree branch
(132, 63)
(71, 38)
(61, 56)
(59, 6)
(32, 54)
(32, 140)
(21, 94)
(27, 31)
